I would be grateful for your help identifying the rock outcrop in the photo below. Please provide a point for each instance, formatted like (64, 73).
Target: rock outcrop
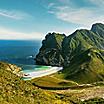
(50, 52)
(10, 67)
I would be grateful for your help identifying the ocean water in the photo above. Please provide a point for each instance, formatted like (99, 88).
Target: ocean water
(22, 53)
(19, 51)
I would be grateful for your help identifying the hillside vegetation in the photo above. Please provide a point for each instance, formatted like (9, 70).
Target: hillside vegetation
(13, 90)
(81, 54)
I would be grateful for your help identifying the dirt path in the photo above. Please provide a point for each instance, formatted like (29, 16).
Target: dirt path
(84, 94)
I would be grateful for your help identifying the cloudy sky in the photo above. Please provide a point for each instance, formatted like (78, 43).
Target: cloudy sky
(33, 19)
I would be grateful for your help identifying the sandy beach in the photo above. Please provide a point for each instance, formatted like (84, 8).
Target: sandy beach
(35, 74)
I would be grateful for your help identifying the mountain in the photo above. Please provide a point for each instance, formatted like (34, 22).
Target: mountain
(98, 28)
(87, 67)
(81, 54)
(50, 52)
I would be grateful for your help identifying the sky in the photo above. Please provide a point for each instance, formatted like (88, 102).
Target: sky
(33, 19)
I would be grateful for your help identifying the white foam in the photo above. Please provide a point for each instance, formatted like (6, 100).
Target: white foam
(42, 73)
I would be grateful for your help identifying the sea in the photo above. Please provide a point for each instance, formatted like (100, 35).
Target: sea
(22, 53)
(19, 51)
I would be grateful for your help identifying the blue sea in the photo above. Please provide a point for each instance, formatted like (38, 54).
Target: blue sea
(19, 51)
(22, 54)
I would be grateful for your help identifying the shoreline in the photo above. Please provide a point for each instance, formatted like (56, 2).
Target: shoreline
(35, 74)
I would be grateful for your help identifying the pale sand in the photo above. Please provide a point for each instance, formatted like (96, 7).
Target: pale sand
(42, 73)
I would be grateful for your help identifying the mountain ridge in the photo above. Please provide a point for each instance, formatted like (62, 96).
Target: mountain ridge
(75, 51)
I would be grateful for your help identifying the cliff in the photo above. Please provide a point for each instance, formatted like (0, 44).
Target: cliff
(81, 53)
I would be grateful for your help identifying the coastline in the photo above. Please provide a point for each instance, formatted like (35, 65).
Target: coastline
(35, 74)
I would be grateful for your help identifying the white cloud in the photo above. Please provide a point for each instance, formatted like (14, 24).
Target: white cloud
(82, 15)
(14, 35)
(79, 16)
(51, 4)
(98, 2)
(13, 14)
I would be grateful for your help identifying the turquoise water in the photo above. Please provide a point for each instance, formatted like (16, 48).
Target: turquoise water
(32, 68)
(25, 79)
(21, 53)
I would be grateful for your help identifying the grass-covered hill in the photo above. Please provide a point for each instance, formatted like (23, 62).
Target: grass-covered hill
(86, 68)
(13, 90)
(81, 54)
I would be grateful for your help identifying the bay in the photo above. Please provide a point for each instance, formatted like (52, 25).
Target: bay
(19, 51)
(22, 53)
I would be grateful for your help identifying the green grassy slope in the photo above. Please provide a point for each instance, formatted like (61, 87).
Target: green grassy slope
(53, 82)
(87, 67)
(84, 55)
(81, 54)
(13, 90)
(80, 41)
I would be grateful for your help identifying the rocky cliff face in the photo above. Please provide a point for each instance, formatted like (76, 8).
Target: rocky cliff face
(10, 67)
(98, 29)
(81, 53)
(57, 49)
(50, 52)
